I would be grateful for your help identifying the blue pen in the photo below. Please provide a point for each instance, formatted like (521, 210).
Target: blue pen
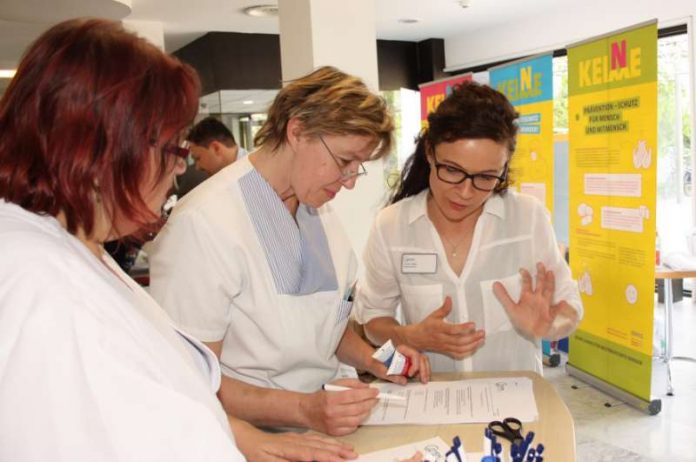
(539, 449)
(530, 455)
(457, 443)
(514, 452)
(487, 444)
(520, 454)
(527, 442)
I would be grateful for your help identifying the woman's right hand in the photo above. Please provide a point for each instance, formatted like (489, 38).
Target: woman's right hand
(339, 413)
(434, 333)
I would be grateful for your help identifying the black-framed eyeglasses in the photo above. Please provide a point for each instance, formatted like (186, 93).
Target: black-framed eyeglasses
(344, 165)
(481, 181)
(182, 149)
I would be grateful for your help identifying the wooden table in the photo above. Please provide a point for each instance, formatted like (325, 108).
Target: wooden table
(667, 275)
(555, 428)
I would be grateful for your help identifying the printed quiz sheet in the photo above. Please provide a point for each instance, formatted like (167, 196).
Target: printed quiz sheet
(433, 450)
(460, 401)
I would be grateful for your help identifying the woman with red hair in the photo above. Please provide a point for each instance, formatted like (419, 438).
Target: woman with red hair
(90, 367)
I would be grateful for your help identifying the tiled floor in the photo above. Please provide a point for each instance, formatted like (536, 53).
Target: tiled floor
(622, 433)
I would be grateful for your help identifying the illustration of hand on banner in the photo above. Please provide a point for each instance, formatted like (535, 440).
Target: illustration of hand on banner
(631, 294)
(585, 284)
(642, 155)
(586, 212)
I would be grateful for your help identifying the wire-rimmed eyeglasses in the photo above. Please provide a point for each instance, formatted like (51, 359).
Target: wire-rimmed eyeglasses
(344, 165)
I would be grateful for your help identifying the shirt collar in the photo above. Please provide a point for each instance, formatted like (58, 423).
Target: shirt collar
(495, 205)
(418, 206)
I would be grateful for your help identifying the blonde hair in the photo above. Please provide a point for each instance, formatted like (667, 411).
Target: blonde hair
(328, 101)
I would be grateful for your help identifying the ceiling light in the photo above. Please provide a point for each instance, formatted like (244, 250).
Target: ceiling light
(464, 3)
(7, 73)
(247, 102)
(262, 11)
(409, 20)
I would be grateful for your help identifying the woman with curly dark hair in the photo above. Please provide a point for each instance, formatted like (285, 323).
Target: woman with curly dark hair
(458, 250)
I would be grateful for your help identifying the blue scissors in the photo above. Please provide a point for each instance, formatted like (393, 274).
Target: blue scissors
(510, 428)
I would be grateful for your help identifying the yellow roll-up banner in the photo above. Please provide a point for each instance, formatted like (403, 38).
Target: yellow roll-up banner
(612, 118)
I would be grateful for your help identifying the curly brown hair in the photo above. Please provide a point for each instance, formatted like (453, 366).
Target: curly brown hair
(471, 111)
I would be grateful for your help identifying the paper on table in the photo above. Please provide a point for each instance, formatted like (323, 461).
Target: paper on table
(461, 401)
(433, 450)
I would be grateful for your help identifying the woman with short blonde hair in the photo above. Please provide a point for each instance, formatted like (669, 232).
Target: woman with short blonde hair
(256, 264)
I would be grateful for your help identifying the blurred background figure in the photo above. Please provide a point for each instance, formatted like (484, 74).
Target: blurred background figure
(213, 146)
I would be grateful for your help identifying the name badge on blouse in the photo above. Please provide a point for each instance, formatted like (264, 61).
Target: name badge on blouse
(418, 263)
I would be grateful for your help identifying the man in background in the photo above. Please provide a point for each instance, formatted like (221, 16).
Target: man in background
(212, 147)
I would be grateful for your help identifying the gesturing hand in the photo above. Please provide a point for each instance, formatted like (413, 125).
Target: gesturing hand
(434, 333)
(533, 314)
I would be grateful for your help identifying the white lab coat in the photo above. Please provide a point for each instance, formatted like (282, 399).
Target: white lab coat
(213, 268)
(91, 369)
(513, 232)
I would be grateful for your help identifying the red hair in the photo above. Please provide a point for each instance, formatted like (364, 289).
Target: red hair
(88, 103)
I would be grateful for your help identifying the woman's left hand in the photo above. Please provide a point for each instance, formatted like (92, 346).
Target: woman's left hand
(534, 313)
(420, 366)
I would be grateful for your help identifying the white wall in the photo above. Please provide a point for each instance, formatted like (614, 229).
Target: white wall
(556, 28)
(410, 124)
(152, 31)
(314, 33)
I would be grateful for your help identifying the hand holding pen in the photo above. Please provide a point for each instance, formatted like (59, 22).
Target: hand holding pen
(339, 413)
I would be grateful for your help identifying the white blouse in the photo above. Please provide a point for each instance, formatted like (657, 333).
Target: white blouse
(90, 367)
(406, 264)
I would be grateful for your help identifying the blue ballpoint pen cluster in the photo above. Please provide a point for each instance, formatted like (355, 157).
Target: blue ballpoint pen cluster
(523, 452)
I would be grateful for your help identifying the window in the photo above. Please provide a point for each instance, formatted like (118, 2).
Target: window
(675, 152)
